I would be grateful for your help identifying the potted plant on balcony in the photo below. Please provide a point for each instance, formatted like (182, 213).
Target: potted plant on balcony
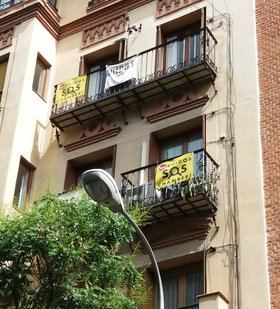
(196, 186)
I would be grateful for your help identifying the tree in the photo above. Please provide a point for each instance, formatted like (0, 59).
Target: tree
(66, 254)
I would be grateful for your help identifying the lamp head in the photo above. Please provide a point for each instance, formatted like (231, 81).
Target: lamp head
(102, 188)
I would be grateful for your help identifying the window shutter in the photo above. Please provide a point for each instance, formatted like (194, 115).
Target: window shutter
(70, 176)
(154, 149)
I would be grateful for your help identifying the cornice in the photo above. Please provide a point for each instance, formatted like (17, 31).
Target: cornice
(50, 19)
(104, 31)
(93, 134)
(165, 7)
(100, 16)
(174, 107)
(40, 10)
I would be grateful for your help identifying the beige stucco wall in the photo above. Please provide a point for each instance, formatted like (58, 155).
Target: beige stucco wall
(25, 113)
(212, 302)
(34, 139)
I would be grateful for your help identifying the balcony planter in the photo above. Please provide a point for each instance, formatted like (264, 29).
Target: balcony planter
(196, 186)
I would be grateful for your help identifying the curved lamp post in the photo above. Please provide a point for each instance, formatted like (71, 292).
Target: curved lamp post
(102, 188)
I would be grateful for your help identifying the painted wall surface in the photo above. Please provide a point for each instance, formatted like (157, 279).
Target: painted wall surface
(212, 302)
(25, 113)
(232, 112)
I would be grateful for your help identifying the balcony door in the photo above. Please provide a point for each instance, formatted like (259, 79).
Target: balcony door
(180, 145)
(96, 83)
(97, 74)
(183, 47)
(182, 286)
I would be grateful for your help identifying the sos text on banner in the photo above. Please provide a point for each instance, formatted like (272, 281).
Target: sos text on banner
(175, 171)
(71, 89)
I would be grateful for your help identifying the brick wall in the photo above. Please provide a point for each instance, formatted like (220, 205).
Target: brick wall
(268, 36)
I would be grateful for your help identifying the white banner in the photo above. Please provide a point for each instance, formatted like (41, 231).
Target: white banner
(122, 72)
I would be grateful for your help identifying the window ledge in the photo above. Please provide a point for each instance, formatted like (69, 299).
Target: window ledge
(42, 98)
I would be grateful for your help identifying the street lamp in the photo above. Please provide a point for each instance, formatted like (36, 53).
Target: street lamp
(102, 188)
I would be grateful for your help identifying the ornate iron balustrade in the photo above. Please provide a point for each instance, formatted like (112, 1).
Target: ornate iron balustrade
(92, 2)
(168, 66)
(4, 4)
(195, 196)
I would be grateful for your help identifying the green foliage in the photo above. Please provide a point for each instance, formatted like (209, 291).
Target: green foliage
(139, 212)
(196, 186)
(65, 254)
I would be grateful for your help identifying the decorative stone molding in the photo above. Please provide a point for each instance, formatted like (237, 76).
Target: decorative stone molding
(6, 38)
(93, 134)
(176, 104)
(112, 10)
(165, 7)
(104, 31)
(41, 10)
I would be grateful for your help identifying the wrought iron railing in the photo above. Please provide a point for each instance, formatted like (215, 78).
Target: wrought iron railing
(138, 185)
(92, 2)
(8, 3)
(196, 306)
(166, 59)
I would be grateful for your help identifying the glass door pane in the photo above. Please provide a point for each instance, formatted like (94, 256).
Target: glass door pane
(195, 142)
(172, 149)
(174, 52)
(96, 82)
(170, 291)
(194, 286)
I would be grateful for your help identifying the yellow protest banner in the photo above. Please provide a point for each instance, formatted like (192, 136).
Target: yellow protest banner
(175, 171)
(71, 89)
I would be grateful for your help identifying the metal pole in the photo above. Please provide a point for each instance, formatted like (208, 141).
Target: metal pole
(152, 257)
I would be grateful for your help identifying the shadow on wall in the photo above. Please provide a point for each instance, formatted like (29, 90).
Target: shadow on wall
(44, 155)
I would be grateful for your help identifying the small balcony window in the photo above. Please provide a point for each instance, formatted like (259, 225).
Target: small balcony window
(183, 46)
(96, 68)
(23, 183)
(103, 159)
(40, 76)
(178, 146)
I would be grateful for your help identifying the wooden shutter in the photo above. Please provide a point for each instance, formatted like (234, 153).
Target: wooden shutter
(154, 149)
(71, 176)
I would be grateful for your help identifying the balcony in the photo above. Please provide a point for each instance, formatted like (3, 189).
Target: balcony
(185, 61)
(4, 4)
(196, 197)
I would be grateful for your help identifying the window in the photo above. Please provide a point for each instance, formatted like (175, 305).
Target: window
(178, 146)
(23, 183)
(53, 3)
(184, 46)
(96, 67)
(3, 69)
(40, 76)
(75, 170)
(103, 158)
(182, 286)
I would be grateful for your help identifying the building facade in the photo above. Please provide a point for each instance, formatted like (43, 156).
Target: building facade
(129, 86)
